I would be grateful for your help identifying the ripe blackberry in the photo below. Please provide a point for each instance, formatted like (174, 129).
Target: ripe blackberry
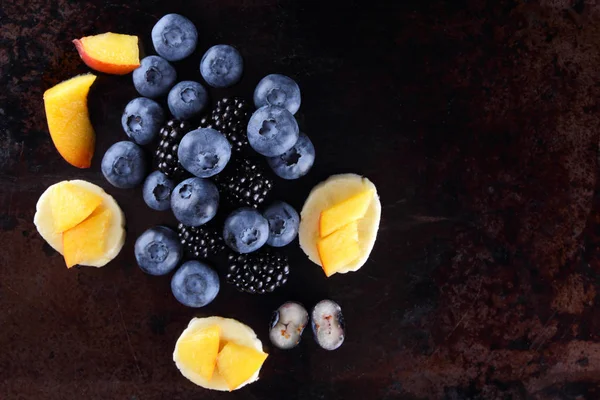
(259, 272)
(166, 153)
(201, 241)
(230, 117)
(243, 183)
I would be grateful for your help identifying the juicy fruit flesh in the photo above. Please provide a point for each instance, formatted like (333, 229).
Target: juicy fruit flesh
(339, 249)
(72, 204)
(289, 322)
(232, 331)
(115, 237)
(88, 239)
(345, 212)
(199, 351)
(326, 194)
(109, 52)
(68, 120)
(328, 324)
(238, 363)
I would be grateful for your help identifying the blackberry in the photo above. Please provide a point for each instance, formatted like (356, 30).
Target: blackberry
(230, 117)
(166, 153)
(243, 183)
(201, 241)
(258, 273)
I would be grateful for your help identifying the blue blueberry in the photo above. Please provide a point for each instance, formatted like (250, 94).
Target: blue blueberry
(272, 131)
(154, 77)
(296, 162)
(283, 223)
(245, 230)
(187, 99)
(195, 201)
(142, 119)
(277, 90)
(222, 66)
(195, 284)
(174, 37)
(204, 152)
(158, 250)
(157, 191)
(124, 165)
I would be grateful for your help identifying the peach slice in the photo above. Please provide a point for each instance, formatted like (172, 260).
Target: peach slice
(71, 204)
(199, 351)
(87, 240)
(68, 120)
(237, 363)
(339, 249)
(111, 53)
(345, 212)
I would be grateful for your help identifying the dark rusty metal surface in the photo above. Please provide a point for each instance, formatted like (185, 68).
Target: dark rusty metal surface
(478, 121)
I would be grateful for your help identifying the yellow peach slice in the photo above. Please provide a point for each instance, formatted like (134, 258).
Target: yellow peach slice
(325, 195)
(237, 363)
(345, 212)
(68, 120)
(71, 204)
(339, 249)
(87, 240)
(232, 331)
(112, 53)
(199, 351)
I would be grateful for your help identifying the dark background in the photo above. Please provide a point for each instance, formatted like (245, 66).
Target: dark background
(477, 121)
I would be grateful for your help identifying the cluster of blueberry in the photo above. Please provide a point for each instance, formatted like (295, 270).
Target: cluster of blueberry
(201, 155)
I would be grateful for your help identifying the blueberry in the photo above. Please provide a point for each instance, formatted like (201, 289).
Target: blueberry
(221, 66)
(157, 191)
(154, 77)
(195, 201)
(328, 324)
(296, 162)
(283, 223)
(174, 37)
(245, 230)
(204, 152)
(195, 284)
(287, 325)
(124, 165)
(142, 119)
(158, 250)
(187, 99)
(277, 90)
(272, 131)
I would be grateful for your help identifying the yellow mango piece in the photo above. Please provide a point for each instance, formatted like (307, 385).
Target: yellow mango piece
(237, 363)
(71, 204)
(87, 240)
(68, 120)
(339, 249)
(199, 351)
(345, 212)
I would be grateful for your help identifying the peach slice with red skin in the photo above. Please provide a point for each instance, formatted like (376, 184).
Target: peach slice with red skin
(68, 120)
(111, 53)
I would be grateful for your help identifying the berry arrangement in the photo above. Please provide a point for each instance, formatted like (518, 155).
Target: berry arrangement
(207, 167)
(203, 162)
